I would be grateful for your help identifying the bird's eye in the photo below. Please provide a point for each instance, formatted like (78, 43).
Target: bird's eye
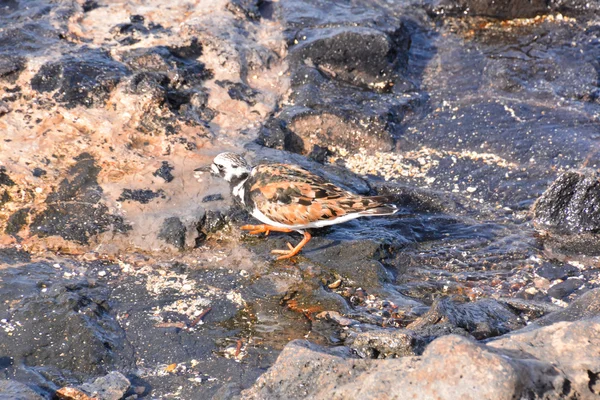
(220, 167)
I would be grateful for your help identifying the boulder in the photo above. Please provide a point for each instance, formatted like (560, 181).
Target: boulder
(571, 204)
(555, 362)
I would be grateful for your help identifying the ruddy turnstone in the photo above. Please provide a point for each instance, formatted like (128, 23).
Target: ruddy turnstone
(288, 198)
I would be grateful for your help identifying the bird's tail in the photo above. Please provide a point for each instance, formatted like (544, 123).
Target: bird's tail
(380, 205)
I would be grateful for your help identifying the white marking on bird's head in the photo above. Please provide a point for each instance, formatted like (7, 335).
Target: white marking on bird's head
(230, 166)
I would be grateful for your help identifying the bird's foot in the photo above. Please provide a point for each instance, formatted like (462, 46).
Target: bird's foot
(266, 229)
(292, 251)
(285, 252)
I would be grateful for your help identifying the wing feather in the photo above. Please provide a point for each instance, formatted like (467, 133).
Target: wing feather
(294, 196)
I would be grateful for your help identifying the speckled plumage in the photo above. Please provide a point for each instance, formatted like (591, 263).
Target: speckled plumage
(297, 198)
(289, 198)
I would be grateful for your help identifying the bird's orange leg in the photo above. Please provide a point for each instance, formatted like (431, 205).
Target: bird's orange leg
(266, 229)
(293, 250)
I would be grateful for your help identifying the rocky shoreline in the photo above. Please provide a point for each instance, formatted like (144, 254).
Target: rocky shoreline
(124, 275)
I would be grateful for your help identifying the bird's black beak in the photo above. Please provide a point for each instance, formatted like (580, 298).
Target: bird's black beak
(203, 169)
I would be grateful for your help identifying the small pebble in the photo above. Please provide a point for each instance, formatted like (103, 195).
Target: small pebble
(38, 172)
(102, 273)
(212, 197)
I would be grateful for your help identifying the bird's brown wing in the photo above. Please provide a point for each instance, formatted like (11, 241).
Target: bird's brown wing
(293, 196)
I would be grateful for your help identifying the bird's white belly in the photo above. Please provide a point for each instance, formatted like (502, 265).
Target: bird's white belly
(256, 213)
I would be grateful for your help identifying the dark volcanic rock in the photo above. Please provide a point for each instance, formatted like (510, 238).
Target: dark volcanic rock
(64, 331)
(509, 9)
(347, 68)
(244, 8)
(127, 33)
(571, 204)
(570, 213)
(359, 261)
(401, 342)
(4, 198)
(165, 172)
(5, 179)
(418, 198)
(173, 232)
(490, 8)
(482, 319)
(17, 221)
(74, 210)
(565, 288)
(275, 134)
(38, 172)
(11, 67)
(239, 91)
(85, 79)
(212, 197)
(4, 108)
(552, 271)
(29, 36)
(585, 307)
(169, 79)
(13, 390)
(180, 61)
(350, 130)
(214, 221)
(361, 56)
(143, 196)
(11, 256)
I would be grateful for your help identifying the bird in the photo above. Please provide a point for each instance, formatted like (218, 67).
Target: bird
(287, 198)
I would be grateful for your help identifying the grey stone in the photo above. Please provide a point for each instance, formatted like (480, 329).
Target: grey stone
(13, 390)
(110, 387)
(556, 362)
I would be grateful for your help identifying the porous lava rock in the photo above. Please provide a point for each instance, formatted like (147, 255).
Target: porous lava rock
(509, 9)
(363, 58)
(85, 79)
(451, 367)
(568, 213)
(571, 204)
(75, 211)
(66, 318)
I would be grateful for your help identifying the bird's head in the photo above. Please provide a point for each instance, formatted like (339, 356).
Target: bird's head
(230, 166)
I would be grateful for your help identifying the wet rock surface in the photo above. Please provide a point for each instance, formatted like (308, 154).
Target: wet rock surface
(86, 79)
(359, 55)
(548, 371)
(75, 210)
(568, 213)
(124, 274)
(570, 203)
(14, 390)
(509, 9)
